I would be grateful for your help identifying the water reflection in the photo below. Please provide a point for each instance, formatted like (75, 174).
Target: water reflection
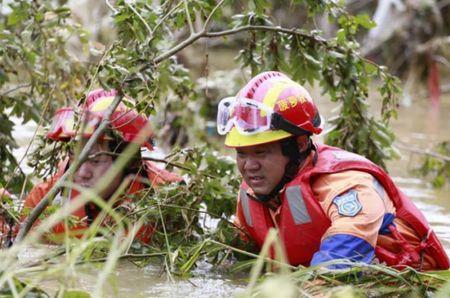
(129, 280)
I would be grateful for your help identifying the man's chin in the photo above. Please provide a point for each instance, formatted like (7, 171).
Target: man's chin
(260, 192)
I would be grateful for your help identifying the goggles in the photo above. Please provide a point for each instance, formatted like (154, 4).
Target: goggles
(250, 117)
(63, 126)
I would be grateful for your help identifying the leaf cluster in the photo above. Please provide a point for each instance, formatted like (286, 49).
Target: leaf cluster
(189, 213)
(436, 169)
(37, 71)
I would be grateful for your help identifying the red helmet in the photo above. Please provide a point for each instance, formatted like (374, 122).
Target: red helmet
(270, 107)
(127, 122)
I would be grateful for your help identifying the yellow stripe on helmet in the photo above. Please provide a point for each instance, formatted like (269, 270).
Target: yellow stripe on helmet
(234, 139)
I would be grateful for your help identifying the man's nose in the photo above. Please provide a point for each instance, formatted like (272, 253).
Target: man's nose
(84, 171)
(251, 164)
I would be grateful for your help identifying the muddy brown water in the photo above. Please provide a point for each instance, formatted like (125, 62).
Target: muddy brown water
(418, 126)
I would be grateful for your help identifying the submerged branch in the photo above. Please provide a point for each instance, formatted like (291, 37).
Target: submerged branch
(125, 256)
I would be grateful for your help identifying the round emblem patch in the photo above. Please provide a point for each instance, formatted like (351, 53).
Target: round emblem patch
(348, 203)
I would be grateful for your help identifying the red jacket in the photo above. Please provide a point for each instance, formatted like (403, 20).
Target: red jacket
(155, 175)
(302, 222)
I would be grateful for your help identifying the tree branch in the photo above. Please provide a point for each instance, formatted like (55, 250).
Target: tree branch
(191, 39)
(208, 20)
(15, 88)
(147, 27)
(204, 33)
(188, 17)
(39, 208)
(111, 7)
(163, 19)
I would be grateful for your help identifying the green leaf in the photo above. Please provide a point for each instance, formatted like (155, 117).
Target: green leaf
(17, 16)
(439, 181)
(365, 21)
(260, 5)
(121, 17)
(341, 36)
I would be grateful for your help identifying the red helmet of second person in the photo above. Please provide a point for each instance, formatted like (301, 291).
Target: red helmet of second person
(127, 122)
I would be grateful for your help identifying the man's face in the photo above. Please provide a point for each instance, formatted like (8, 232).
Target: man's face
(92, 170)
(261, 166)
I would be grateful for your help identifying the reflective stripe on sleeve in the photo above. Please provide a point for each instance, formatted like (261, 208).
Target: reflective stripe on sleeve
(297, 205)
(378, 187)
(246, 206)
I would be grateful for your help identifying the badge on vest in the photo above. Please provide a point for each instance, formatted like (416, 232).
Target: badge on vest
(348, 203)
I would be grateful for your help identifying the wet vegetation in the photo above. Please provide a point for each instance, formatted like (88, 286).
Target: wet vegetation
(48, 60)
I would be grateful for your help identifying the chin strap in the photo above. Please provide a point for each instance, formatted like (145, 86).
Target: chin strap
(289, 147)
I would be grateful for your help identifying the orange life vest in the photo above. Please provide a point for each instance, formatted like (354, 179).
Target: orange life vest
(302, 222)
(155, 175)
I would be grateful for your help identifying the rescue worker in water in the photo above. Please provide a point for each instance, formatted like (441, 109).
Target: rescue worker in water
(125, 126)
(326, 203)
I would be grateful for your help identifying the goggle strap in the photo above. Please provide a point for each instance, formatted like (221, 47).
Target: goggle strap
(278, 122)
(317, 120)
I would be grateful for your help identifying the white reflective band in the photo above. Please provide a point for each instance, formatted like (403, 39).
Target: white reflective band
(378, 187)
(246, 206)
(297, 205)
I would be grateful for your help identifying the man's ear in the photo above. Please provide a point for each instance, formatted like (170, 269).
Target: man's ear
(302, 143)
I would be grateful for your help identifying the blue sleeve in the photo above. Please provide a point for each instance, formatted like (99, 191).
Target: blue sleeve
(343, 246)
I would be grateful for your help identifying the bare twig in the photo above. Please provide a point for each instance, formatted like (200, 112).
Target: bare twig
(15, 88)
(208, 20)
(188, 17)
(111, 7)
(433, 44)
(126, 256)
(164, 18)
(147, 27)
(191, 39)
(206, 34)
(29, 221)
(294, 31)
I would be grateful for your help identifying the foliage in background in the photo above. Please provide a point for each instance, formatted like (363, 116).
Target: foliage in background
(437, 168)
(37, 72)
